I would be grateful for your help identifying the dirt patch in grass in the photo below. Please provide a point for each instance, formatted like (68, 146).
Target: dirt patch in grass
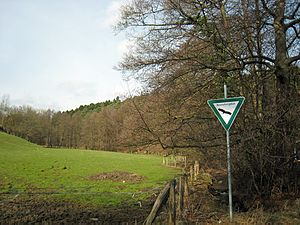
(118, 176)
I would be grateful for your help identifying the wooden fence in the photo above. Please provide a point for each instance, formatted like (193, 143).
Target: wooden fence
(175, 196)
(175, 161)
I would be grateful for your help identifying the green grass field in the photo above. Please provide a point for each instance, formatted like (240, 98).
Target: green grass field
(26, 169)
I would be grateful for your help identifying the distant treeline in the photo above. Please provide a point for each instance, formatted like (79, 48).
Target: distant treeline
(93, 126)
(151, 119)
(84, 109)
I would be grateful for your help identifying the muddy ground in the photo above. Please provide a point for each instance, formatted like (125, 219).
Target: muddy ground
(26, 209)
(118, 176)
(32, 211)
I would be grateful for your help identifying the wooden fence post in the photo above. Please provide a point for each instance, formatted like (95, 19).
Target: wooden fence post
(191, 172)
(172, 203)
(180, 194)
(186, 188)
(196, 169)
(167, 195)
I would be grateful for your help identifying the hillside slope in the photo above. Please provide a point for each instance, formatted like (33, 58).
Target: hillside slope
(78, 175)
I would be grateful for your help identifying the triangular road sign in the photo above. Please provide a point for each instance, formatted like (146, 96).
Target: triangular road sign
(226, 109)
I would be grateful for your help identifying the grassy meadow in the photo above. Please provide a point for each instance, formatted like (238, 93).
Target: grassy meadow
(28, 169)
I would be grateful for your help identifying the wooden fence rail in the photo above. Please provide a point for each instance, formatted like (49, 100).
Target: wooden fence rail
(175, 193)
(160, 201)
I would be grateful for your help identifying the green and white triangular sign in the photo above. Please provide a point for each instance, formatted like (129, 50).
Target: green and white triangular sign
(226, 109)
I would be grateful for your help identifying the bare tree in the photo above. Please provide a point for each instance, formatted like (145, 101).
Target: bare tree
(253, 45)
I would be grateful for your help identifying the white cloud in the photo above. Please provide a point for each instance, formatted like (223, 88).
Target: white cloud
(112, 13)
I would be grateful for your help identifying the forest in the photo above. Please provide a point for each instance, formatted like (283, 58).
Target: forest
(183, 53)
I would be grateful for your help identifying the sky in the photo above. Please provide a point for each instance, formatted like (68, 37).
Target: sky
(60, 54)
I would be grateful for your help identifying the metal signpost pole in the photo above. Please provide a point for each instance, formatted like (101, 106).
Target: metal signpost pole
(228, 165)
(226, 110)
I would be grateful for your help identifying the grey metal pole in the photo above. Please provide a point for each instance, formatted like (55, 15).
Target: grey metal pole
(228, 165)
(225, 91)
(229, 176)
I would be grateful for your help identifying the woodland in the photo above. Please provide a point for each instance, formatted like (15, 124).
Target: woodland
(183, 53)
